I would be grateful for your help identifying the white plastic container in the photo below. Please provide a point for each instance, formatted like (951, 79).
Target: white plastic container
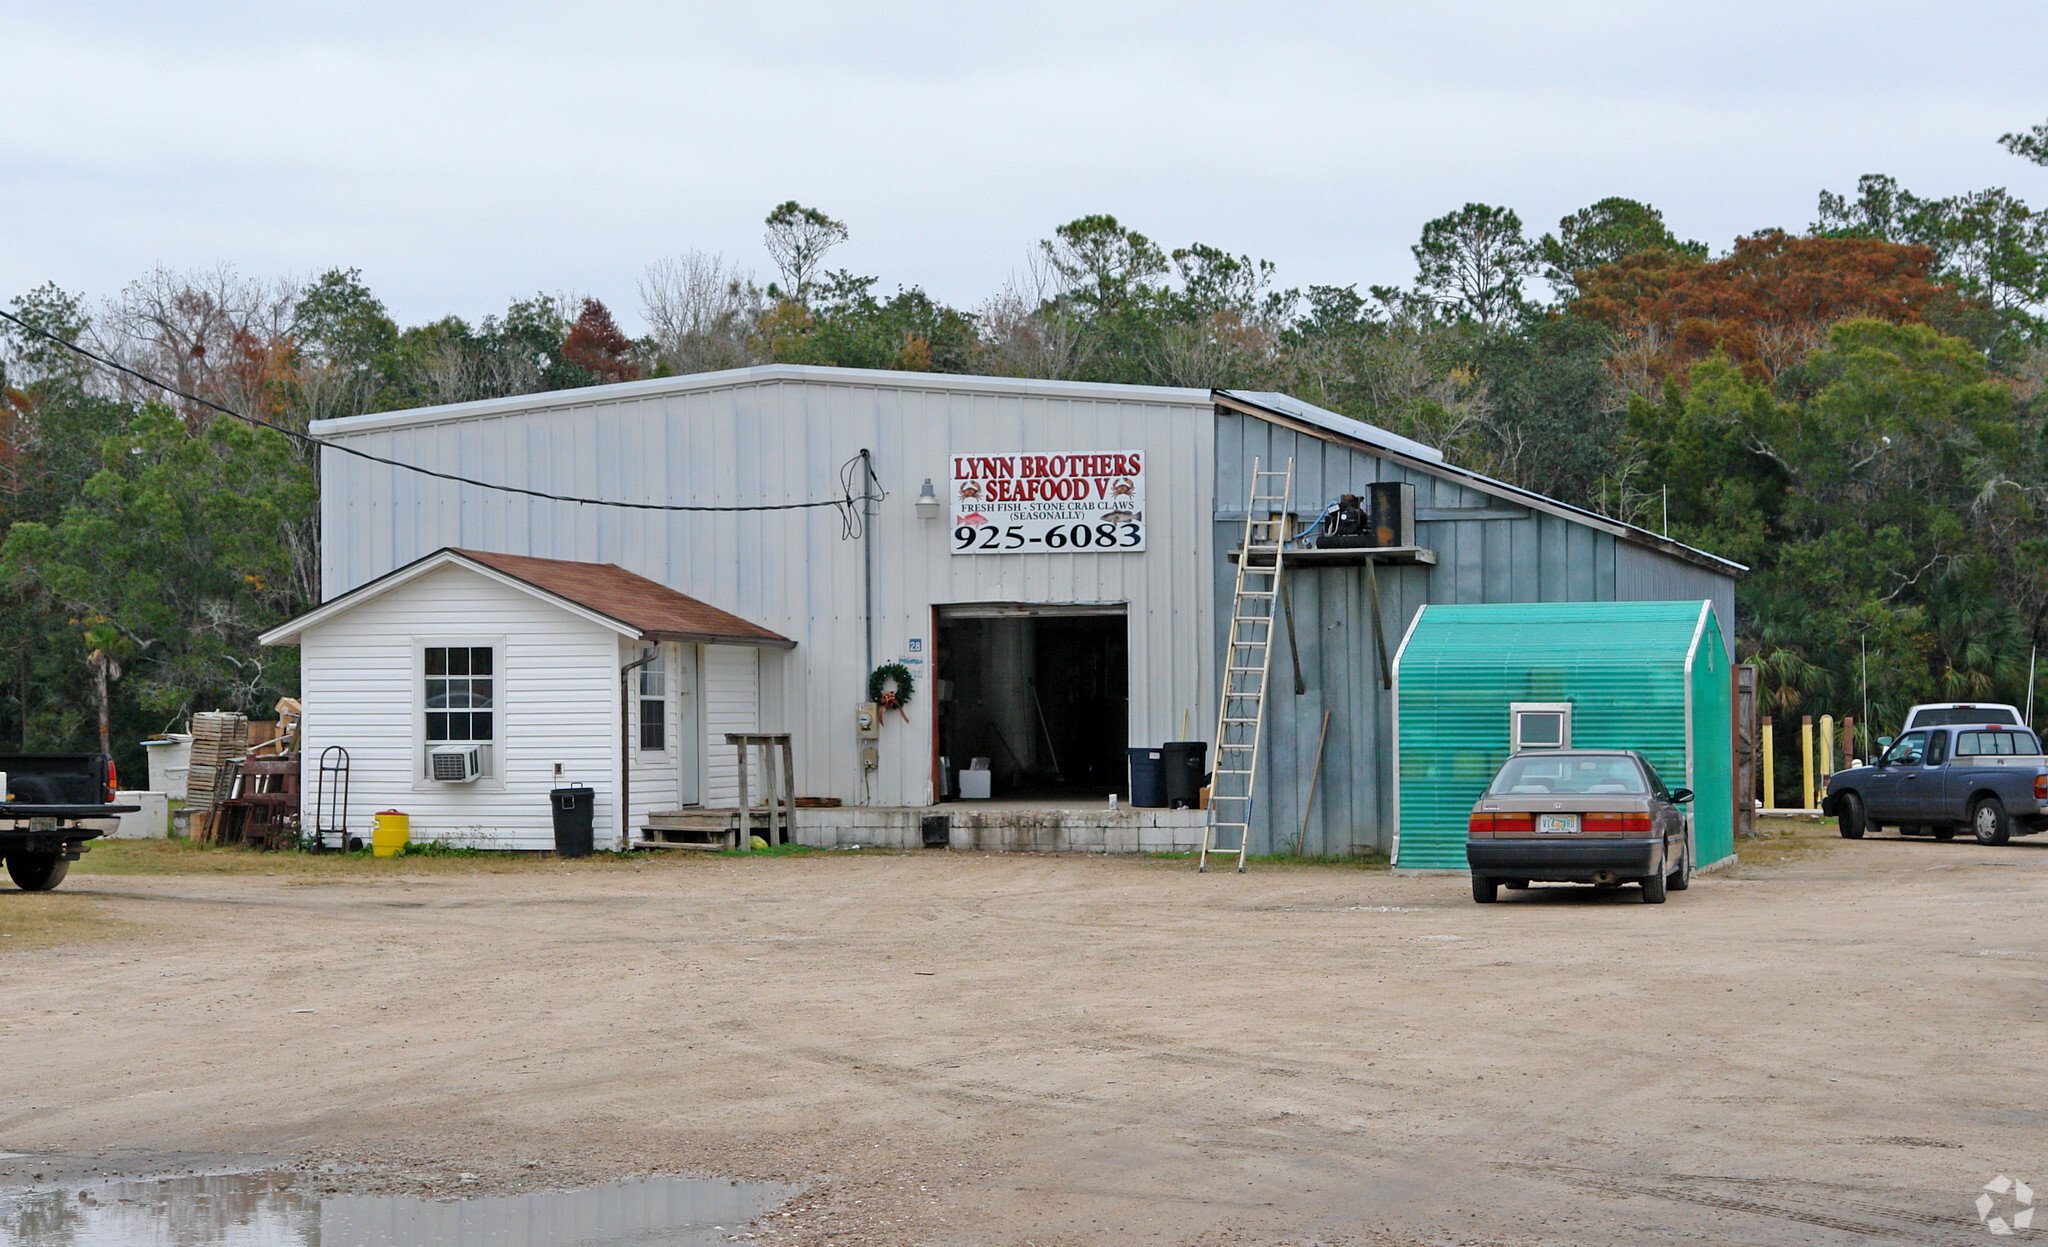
(974, 781)
(151, 822)
(170, 763)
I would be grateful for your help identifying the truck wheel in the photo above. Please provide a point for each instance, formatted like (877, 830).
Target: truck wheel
(1653, 890)
(1849, 816)
(37, 872)
(1484, 890)
(1987, 818)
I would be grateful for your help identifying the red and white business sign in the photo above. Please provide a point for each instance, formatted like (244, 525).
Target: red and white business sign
(1039, 504)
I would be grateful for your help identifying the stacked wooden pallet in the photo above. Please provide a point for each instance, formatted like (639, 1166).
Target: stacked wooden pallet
(219, 739)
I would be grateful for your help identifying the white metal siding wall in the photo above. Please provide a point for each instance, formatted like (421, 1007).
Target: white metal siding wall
(783, 439)
(557, 697)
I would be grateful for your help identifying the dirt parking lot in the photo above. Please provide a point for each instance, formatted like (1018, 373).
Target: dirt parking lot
(978, 1049)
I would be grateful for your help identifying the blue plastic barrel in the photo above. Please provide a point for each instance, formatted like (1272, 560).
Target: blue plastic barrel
(1148, 778)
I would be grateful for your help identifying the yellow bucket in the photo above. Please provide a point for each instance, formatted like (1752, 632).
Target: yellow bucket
(391, 835)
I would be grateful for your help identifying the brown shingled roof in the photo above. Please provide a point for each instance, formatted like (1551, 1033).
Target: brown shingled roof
(659, 612)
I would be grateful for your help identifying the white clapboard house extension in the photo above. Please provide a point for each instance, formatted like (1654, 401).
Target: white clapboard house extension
(466, 684)
(1050, 562)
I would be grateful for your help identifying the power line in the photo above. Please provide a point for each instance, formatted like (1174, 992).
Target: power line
(307, 439)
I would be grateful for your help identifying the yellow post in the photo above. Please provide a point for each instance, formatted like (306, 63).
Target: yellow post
(1770, 768)
(1806, 762)
(1826, 759)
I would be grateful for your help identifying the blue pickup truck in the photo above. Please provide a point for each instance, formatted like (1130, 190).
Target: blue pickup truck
(1987, 777)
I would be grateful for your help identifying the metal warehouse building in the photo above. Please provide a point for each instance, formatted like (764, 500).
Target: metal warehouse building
(1061, 594)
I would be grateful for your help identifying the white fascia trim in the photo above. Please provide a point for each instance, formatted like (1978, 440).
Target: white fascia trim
(1699, 629)
(288, 633)
(764, 374)
(1394, 846)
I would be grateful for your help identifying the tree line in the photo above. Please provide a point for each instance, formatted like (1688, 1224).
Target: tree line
(1853, 408)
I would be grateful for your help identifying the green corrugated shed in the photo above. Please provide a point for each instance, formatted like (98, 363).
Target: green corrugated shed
(1648, 676)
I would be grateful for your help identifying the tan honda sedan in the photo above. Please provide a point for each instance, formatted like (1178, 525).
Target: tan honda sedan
(1598, 816)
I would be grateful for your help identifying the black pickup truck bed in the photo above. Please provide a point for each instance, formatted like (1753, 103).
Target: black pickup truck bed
(43, 833)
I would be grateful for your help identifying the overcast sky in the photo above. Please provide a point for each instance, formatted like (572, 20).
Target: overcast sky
(461, 155)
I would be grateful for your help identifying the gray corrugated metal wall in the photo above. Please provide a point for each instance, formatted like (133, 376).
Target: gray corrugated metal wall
(1536, 558)
(1642, 575)
(775, 435)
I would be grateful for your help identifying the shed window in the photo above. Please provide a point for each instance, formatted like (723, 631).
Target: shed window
(459, 692)
(1541, 725)
(653, 701)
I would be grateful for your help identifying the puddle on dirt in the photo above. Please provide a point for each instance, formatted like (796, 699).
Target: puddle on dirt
(274, 1210)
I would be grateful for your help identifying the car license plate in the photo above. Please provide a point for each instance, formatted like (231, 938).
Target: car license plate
(1557, 824)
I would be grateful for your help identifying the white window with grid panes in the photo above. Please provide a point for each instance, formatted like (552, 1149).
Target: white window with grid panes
(653, 675)
(459, 701)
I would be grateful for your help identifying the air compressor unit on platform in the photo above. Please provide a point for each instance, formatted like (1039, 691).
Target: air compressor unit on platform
(1383, 518)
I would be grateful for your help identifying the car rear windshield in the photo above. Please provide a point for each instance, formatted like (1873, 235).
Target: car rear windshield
(2005, 744)
(1942, 716)
(1541, 773)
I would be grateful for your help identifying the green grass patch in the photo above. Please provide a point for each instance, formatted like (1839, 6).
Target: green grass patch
(40, 919)
(779, 850)
(1782, 841)
(183, 857)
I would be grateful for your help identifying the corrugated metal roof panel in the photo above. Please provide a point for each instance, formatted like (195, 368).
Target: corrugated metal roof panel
(1346, 425)
(1621, 665)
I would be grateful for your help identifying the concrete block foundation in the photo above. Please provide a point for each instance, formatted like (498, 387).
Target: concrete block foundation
(1006, 828)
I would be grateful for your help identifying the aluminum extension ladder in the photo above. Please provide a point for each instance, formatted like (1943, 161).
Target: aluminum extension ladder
(1241, 703)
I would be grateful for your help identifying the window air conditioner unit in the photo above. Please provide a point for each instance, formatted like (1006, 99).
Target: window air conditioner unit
(456, 764)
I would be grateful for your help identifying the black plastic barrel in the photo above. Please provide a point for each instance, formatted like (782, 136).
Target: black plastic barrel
(573, 808)
(1185, 764)
(1148, 781)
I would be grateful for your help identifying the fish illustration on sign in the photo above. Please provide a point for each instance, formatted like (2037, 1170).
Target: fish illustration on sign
(1120, 517)
(973, 518)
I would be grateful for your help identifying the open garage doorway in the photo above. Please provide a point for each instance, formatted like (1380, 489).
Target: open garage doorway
(1042, 692)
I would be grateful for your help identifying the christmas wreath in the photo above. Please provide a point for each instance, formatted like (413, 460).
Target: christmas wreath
(892, 698)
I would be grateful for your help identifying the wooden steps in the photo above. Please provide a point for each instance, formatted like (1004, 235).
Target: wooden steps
(711, 830)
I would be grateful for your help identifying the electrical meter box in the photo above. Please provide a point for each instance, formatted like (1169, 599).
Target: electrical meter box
(869, 721)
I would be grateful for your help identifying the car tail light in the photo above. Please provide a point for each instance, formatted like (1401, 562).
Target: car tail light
(2041, 787)
(113, 782)
(1480, 824)
(1614, 822)
(1504, 824)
